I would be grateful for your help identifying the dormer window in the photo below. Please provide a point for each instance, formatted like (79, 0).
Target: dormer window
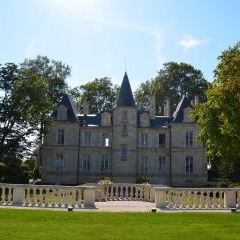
(62, 113)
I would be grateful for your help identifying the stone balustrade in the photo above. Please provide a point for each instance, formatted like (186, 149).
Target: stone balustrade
(47, 195)
(85, 195)
(125, 191)
(197, 198)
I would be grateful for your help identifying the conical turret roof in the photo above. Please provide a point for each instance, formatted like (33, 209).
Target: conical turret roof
(125, 98)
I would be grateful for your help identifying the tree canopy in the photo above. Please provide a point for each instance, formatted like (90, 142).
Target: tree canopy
(219, 116)
(100, 94)
(28, 93)
(173, 81)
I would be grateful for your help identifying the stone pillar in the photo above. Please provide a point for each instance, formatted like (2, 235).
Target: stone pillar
(152, 194)
(166, 107)
(89, 196)
(161, 197)
(230, 198)
(18, 194)
(152, 107)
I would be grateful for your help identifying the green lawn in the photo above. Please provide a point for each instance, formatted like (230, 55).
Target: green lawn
(42, 224)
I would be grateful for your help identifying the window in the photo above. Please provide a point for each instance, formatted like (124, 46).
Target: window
(104, 163)
(161, 163)
(59, 162)
(86, 163)
(60, 136)
(189, 139)
(144, 164)
(105, 140)
(87, 138)
(84, 122)
(189, 164)
(162, 140)
(144, 139)
(124, 130)
(124, 152)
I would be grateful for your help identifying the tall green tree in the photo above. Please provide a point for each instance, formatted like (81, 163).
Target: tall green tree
(22, 106)
(100, 94)
(173, 81)
(142, 95)
(53, 74)
(219, 116)
(28, 94)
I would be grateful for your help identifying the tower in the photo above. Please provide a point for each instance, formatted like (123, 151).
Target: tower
(124, 147)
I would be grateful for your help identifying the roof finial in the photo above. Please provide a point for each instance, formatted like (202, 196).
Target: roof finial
(125, 62)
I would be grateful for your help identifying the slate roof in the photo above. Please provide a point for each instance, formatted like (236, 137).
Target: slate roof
(178, 114)
(158, 122)
(125, 98)
(92, 119)
(72, 110)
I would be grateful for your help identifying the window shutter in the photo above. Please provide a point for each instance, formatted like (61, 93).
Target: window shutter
(92, 139)
(83, 139)
(100, 139)
(139, 140)
(150, 142)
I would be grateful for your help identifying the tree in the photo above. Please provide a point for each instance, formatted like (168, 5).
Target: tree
(22, 103)
(173, 81)
(219, 116)
(100, 94)
(54, 74)
(28, 94)
(142, 95)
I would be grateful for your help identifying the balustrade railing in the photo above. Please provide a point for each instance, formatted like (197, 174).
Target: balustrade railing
(80, 196)
(197, 198)
(46, 196)
(125, 191)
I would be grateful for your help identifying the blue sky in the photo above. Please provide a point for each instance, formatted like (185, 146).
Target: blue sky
(96, 36)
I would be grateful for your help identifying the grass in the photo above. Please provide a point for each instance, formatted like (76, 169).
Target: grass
(42, 224)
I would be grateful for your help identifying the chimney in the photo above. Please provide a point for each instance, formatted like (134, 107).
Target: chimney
(196, 100)
(192, 103)
(166, 107)
(152, 107)
(85, 106)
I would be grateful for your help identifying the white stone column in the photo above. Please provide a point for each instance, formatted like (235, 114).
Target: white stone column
(230, 198)
(18, 194)
(161, 197)
(89, 196)
(152, 194)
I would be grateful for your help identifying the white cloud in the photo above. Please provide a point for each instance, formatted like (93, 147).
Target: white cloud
(188, 42)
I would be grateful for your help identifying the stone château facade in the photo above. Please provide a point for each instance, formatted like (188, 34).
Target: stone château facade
(123, 143)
